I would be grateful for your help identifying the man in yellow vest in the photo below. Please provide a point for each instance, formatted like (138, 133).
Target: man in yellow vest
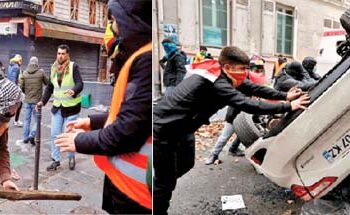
(279, 65)
(65, 84)
(122, 138)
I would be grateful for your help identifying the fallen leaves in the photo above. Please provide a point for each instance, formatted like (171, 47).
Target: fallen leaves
(207, 134)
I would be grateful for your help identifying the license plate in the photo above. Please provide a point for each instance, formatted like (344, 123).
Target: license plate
(338, 150)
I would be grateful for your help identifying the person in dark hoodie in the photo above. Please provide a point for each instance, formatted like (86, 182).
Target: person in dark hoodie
(309, 63)
(177, 116)
(31, 83)
(174, 69)
(294, 75)
(123, 136)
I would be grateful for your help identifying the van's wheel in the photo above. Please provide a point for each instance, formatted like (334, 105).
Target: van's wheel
(245, 129)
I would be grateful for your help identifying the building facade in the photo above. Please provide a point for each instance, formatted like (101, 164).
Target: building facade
(37, 27)
(292, 28)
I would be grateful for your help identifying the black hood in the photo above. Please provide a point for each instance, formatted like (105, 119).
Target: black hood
(309, 63)
(296, 70)
(134, 17)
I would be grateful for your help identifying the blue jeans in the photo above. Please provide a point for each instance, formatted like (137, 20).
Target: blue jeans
(29, 111)
(58, 125)
(225, 135)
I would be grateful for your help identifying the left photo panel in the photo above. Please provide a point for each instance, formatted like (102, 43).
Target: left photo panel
(76, 107)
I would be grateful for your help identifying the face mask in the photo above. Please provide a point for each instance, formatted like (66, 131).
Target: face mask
(169, 48)
(237, 76)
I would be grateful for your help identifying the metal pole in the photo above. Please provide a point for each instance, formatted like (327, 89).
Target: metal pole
(37, 148)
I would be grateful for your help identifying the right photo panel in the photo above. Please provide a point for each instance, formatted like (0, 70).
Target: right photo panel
(251, 109)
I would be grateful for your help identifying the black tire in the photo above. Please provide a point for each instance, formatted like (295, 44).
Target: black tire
(245, 129)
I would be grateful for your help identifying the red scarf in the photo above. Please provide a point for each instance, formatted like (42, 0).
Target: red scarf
(237, 77)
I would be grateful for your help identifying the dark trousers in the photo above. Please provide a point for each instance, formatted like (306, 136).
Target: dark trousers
(18, 112)
(116, 202)
(235, 144)
(171, 160)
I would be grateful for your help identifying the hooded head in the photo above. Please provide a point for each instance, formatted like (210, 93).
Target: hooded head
(169, 47)
(296, 70)
(132, 17)
(309, 64)
(234, 64)
(33, 64)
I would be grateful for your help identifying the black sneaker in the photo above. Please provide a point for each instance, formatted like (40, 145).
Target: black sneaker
(71, 163)
(26, 141)
(211, 159)
(53, 166)
(237, 152)
(32, 141)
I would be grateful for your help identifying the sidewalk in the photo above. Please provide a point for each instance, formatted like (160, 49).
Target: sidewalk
(86, 179)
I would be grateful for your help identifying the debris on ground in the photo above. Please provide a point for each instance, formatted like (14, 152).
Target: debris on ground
(288, 212)
(233, 202)
(217, 162)
(99, 108)
(290, 201)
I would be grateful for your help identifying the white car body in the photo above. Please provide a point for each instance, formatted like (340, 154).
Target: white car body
(311, 155)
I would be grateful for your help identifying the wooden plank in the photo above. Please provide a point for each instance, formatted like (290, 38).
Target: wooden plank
(38, 195)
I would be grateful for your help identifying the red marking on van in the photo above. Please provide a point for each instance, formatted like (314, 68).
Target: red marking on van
(334, 33)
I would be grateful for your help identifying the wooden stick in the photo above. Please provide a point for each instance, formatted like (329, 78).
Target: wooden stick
(38, 195)
(37, 149)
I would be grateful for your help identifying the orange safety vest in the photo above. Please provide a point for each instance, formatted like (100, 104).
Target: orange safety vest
(127, 172)
(278, 68)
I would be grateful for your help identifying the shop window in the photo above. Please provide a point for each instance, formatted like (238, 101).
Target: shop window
(92, 12)
(48, 6)
(74, 9)
(104, 14)
(285, 29)
(214, 19)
